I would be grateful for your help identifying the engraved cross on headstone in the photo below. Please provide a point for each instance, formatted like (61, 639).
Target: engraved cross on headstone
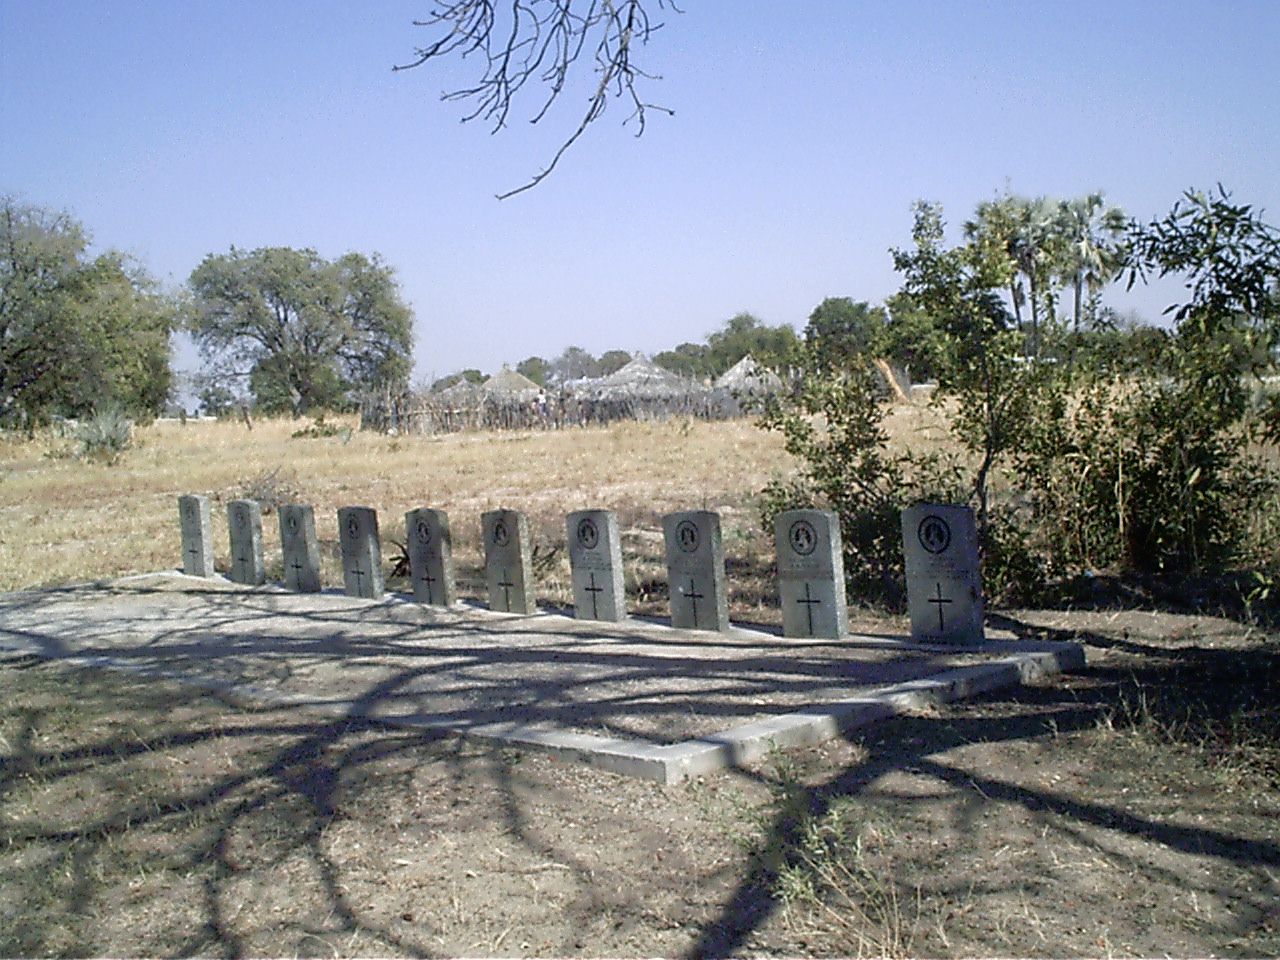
(809, 601)
(694, 596)
(595, 597)
(430, 581)
(940, 600)
(361, 552)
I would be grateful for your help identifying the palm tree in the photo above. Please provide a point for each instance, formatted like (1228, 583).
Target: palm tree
(1025, 231)
(1094, 250)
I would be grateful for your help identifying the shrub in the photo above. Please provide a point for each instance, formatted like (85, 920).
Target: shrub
(104, 436)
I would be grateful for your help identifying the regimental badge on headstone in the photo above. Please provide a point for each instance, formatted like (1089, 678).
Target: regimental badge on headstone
(299, 547)
(811, 574)
(244, 523)
(944, 583)
(695, 570)
(430, 556)
(361, 552)
(195, 519)
(595, 559)
(508, 561)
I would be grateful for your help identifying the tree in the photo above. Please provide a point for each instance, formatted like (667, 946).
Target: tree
(470, 375)
(1092, 252)
(307, 332)
(612, 361)
(1017, 237)
(843, 332)
(541, 40)
(997, 397)
(573, 364)
(535, 368)
(744, 334)
(76, 334)
(687, 359)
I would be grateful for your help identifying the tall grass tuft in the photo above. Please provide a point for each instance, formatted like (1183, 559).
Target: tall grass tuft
(104, 436)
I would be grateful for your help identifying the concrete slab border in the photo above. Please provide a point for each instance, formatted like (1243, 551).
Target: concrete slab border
(674, 763)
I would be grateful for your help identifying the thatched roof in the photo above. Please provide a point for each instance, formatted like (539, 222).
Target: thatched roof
(508, 382)
(643, 378)
(747, 376)
(461, 389)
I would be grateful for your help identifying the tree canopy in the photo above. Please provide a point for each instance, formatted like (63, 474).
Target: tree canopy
(77, 334)
(307, 332)
(843, 331)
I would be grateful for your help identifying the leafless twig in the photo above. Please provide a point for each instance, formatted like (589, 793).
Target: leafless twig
(541, 42)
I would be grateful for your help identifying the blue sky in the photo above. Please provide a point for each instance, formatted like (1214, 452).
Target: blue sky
(802, 134)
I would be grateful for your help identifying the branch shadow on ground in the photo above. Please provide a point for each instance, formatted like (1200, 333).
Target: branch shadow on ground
(289, 792)
(1190, 692)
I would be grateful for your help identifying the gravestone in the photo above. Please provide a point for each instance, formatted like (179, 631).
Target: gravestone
(244, 523)
(430, 556)
(811, 574)
(944, 582)
(695, 570)
(595, 559)
(508, 561)
(361, 552)
(300, 548)
(195, 519)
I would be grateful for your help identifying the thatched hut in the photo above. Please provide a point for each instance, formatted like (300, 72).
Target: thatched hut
(748, 378)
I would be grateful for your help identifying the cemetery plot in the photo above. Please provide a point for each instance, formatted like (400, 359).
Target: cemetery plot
(620, 688)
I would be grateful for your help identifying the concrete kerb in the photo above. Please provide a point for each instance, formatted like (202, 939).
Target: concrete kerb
(674, 763)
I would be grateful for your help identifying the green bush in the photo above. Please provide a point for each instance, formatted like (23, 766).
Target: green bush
(104, 436)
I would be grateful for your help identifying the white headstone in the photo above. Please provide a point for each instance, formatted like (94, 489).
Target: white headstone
(430, 552)
(244, 523)
(508, 561)
(595, 559)
(196, 522)
(361, 552)
(695, 570)
(300, 548)
(811, 574)
(944, 583)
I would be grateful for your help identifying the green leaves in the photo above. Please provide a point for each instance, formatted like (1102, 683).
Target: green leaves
(75, 334)
(308, 333)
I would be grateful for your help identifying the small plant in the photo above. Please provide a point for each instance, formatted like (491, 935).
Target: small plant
(104, 436)
(841, 871)
(319, 429)
(400, 565)
(270, 490)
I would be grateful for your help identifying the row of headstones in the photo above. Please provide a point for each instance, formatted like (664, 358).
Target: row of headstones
(943, 586)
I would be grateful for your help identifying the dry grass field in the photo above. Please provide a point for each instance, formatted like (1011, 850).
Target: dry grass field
(1131, 810)
(63, 519)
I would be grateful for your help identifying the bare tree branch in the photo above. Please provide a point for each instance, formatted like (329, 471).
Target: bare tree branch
(543, 41)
